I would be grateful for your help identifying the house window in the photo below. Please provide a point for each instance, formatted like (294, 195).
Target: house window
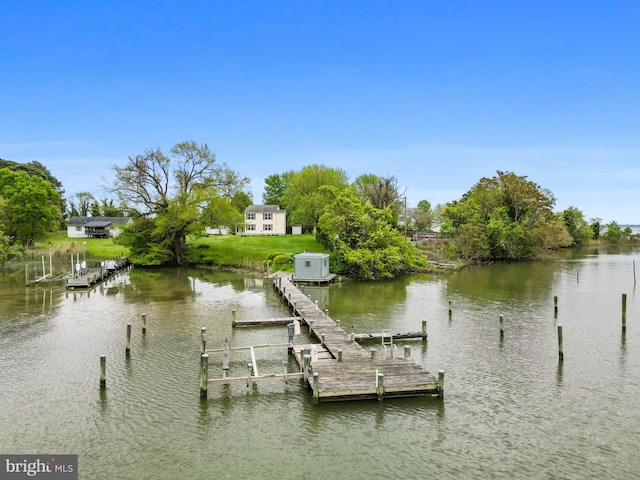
(268, 216)
(78, 229)
(251, 228)
(267, 227)
(251, 216)
(307, 263)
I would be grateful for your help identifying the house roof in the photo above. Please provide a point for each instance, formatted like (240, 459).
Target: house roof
(263, 209)
(87, 220)
(96, 223)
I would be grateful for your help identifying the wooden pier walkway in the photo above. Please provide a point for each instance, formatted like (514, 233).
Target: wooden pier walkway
(94, 275)
(351, 372)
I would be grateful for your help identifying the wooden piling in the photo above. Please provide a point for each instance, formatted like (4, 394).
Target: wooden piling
(560, 347)
(449, 308)
(103, 372)
(373, 353)
(127, 350)
(316, 387)
(441, 383)
(339, 355)
(203, 341)
(233, 314)
(501, 327)
(380, 385)
(407, 351)
(306, 361)
(624, 313)
(144, 323)
(555, 306)
(204, 374)
(424, 330)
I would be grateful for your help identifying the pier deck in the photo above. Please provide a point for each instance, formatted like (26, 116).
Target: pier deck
(358, 375)
(95, 275)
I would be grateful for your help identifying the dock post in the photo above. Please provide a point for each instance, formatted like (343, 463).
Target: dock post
(144, 323)
(555, 306)
(322, 337)
(290, 332)
(501, 327)
(316, 389)
(353, 335)
(339, 355)
(203, 340)
(233, 314)
(560, 348)
(407, 351)
(204, 374)
(127, 350)
(424, 330)
(338, 323)
(305, 366)
(373, 353)
(103, 372)
(449, 308)
(26, 274)
(624, 313)
(441, 383)
(380, 385)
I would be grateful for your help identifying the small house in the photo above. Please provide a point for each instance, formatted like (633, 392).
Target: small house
(265, 220)
(311, 267)
(95, 227)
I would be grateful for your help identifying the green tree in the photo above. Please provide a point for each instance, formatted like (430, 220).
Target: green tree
(613, 234)
(381, 192)
(576, 225)
(275, 187)
(511, 212)
(302, 198)
(167, 196)
(31, 206)
(364, 242)
(595, 224)
(241, 200)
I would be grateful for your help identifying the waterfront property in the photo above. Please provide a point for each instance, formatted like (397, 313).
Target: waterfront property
(265, 220)
(95, 227)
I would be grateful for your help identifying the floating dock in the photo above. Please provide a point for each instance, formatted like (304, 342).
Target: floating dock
(337, 369)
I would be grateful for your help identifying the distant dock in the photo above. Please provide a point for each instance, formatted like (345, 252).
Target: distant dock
(97, 274)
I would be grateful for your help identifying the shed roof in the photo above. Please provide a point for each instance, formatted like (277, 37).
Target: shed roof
(311, 255)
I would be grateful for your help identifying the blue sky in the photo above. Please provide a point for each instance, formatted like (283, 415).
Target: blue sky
(438, 94)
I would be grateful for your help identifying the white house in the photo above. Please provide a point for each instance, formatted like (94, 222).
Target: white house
(265, 220)
(95, 227)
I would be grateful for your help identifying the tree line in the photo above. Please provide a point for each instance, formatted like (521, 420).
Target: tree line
(365, 222)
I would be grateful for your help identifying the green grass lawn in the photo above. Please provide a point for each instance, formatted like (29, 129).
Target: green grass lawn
(250, 251)
(224, 250)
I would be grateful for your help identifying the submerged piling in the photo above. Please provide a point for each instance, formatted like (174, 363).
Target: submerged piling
(560, 347)
(127, 349)
(624, 313)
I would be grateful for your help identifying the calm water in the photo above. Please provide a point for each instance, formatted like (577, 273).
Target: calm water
(510, 409)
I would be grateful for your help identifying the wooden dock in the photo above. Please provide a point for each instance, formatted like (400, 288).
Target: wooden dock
(351, 372)
(94, 275)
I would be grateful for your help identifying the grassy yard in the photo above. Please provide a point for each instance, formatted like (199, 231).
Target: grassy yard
(224, 250)
(250, 251)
